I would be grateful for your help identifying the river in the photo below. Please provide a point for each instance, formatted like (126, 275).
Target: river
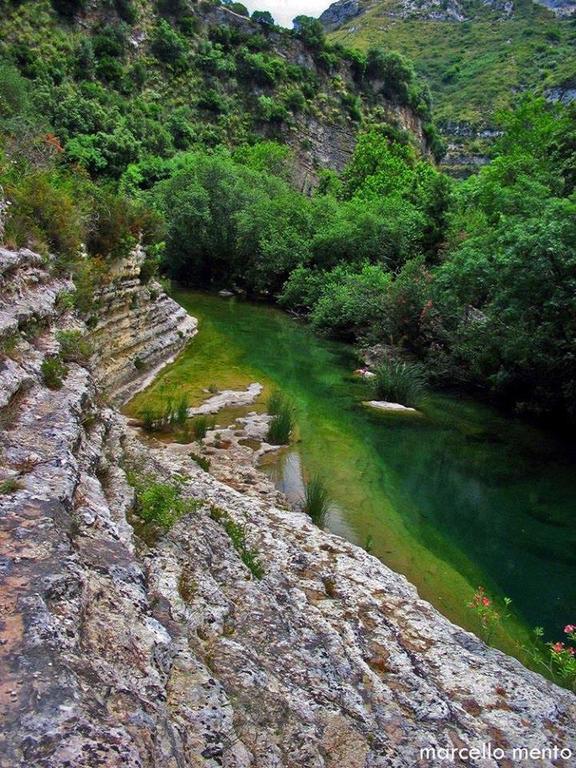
(458, 497)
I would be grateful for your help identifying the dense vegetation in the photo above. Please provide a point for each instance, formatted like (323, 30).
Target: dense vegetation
(474, 66)
(105, 139)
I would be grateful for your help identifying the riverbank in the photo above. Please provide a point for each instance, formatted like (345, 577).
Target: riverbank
(451, 501)
(235, 632)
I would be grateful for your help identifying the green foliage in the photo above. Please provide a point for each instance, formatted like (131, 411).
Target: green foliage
(161, 503)
(167, 45)
(9, 487)
(263, 17)
(202, 461)
(316, 501)
(283, 421)
(237, 534)
(400, 382)
(53, 372)
(476, 67)
(200, 427)
(74, 346)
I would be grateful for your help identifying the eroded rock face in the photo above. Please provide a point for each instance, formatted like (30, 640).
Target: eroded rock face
(139, 330)
(172, 654)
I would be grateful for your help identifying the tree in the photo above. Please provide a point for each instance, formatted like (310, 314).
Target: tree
(264, 17)
(310, 30)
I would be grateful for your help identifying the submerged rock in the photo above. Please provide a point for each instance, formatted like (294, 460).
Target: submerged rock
(229, 398)
(383, 405)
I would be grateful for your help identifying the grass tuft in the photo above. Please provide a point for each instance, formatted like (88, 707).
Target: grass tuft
(283, 420)
(400, 382)
(316, 501)
(7, 487)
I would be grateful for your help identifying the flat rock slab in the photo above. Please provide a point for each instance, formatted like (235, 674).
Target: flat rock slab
(229, 398)
(383, 405)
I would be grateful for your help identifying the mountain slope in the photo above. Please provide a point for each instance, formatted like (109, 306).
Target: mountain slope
(475, 55)
(119, 82)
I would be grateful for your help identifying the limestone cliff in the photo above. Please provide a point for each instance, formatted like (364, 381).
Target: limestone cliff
(170, 654)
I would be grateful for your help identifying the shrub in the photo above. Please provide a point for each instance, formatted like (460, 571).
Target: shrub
(74, 346)
(275, 402)
(271, 110)
(400, 382)
(161, 503)
(53, 372)
(168, 46)
(282, 424)
(316, 501)
(149, 420)
(9, 486)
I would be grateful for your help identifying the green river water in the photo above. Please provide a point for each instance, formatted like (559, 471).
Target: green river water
(455, 498)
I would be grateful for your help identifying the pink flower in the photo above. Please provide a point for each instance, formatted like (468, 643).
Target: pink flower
(558, 647)
(571, 651)
(569, 628)
(486, 601)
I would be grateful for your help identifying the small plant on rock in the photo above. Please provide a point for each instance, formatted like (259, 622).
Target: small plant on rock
(202, 461)
(53, 372)
(10, 486)
(237, 534)
(161, 503)
(200, 427)
(74, 346)
(487, 612)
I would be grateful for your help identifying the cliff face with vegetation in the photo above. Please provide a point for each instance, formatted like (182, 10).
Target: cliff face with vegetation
(476, 56)
(118, 84)
(179, 650)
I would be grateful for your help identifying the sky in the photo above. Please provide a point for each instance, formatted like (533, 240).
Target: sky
(285, 10)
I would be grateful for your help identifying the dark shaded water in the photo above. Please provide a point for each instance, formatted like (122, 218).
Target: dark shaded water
(455, 498)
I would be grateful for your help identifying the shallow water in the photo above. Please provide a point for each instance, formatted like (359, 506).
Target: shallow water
(455, 498)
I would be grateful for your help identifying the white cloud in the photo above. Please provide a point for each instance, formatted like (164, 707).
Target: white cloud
(285, 10)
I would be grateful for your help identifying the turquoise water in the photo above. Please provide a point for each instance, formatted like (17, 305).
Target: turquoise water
(455, 498)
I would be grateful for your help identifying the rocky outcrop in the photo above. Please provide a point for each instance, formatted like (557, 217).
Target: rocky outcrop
(172, 652)
(339, 13)
(139, 330)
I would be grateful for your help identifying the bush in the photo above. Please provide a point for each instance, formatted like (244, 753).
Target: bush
(168, 46)
(161, 503)
(316, 501)
(10, 486)
(53, 372)
(74, 346)
(400, 382)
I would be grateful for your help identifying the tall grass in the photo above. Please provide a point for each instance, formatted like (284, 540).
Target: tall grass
(200, 427)
(316, 500)
(275, 402)
(283, 420)
(400, 382)
(167, 419)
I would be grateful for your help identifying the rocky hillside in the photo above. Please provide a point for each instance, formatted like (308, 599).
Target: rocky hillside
(244, 636)
(477, 56)
(118, 83)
